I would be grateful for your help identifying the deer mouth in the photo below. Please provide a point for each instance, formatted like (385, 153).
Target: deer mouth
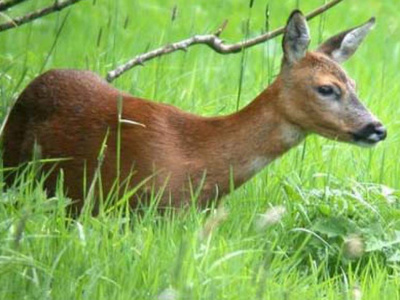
(370, 135)
(366, 142)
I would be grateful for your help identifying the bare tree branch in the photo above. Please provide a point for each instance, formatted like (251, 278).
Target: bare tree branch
(4, 5)
(57, 6)
(211, 40)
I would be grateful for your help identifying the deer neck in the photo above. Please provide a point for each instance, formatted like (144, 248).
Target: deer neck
(245, 142)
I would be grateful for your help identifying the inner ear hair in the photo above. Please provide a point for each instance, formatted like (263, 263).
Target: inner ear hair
(343, 45)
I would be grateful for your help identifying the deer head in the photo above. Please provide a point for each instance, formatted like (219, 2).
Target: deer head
(317, 94)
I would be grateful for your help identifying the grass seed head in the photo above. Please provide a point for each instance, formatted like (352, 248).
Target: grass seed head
(356, 292)
(213, 222)
(168, 294)
(353, 246)
(81, 233)
(271, 217)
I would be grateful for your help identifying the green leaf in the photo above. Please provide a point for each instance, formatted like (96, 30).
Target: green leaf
(334, 227)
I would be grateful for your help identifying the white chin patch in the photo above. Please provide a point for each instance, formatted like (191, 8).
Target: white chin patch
(374, 138)
(371, 141)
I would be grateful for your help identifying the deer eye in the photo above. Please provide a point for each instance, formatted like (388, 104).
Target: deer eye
(326, 90)
(329, 91)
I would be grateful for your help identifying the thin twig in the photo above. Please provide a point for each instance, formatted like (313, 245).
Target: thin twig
(18, 21)
(221, 28)
(211, 40)
(4, 5)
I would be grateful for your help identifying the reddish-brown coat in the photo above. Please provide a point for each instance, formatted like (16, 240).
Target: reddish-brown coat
(68, 113)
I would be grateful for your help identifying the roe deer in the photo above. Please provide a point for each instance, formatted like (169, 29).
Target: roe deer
(68, 113)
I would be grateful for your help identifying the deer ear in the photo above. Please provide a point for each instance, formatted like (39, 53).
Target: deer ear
(343, 45)
(296, 38)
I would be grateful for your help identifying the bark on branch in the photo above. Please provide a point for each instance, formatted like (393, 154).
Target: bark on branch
(211, 40)
(18, 21)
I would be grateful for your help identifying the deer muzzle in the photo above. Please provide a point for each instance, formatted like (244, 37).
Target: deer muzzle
(370, 135)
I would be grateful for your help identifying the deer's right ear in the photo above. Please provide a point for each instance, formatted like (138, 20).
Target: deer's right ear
(296, 38)
(343, 45)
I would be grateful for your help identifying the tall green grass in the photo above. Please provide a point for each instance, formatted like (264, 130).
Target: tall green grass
(334, 196)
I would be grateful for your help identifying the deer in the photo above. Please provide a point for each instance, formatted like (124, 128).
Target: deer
(71, 113)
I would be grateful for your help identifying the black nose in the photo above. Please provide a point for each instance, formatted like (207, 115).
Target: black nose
(371, 133)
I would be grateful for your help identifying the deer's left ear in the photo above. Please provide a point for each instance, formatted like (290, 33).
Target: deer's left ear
(296, 38)
(343, 45)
